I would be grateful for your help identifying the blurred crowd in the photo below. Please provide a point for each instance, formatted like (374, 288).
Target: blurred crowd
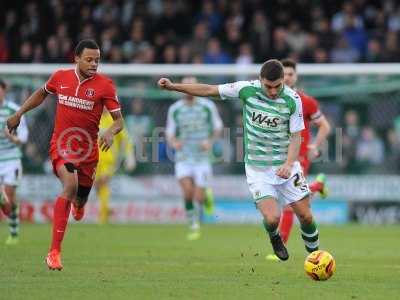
(207, 31)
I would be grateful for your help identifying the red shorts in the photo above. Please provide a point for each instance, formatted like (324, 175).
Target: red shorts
(86, 170)
(305, 164)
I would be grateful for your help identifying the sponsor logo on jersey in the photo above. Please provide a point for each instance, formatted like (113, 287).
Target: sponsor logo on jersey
(264, 121)
(75, 102)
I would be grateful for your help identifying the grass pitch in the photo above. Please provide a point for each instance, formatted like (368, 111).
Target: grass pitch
(156, 262)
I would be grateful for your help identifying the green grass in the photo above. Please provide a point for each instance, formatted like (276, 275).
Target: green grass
(156, 262)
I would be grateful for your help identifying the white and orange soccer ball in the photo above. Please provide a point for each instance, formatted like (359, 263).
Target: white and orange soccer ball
(320, 265)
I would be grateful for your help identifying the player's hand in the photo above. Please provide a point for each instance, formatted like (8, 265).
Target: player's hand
(285, 170)
(106, 140)
(177, 145)
(11, 137)
(130, 163)
(13, 122)
(206, 145)
(313, 152)
(165, 84)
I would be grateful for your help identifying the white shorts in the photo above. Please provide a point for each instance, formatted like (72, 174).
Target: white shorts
(10, 172)
(263, 184)
(200, 172)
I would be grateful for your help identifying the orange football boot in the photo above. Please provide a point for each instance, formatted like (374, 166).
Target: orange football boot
(53, 260)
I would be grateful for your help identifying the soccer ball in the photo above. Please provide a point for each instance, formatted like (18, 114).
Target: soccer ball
(320, 265)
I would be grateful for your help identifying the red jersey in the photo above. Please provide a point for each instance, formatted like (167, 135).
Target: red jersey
(79, 108)
(310, 112)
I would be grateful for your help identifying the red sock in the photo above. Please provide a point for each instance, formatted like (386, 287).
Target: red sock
(316, 186)
(285, 226)
(62, 208)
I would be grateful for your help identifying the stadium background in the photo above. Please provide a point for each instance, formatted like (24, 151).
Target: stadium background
(362, 157)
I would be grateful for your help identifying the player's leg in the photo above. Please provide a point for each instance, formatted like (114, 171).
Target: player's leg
(270, 211)
(296, 193)
(203, 194)
(103, 194)
(11, 182)
(86, 175)
(68, 176)
(192, 215)
(287, 218)
(265, 197)
(13, 220)
(319, 186)
(309, 231)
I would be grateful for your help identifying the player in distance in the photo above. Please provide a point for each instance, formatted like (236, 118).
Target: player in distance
(10, 164)
(109, 162)
(193, 125)
(81, 94)
(273, 121)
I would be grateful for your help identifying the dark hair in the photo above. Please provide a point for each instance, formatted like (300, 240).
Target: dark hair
(272, 70)
(3, 84)
(87, 43)
(289, 63)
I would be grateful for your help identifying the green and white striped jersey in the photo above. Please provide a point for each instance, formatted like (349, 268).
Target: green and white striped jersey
(192, 124)
(8, 150)
(267, 122)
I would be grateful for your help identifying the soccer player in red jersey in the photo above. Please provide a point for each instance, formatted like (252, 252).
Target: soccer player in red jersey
(81, 94)
(308, 150)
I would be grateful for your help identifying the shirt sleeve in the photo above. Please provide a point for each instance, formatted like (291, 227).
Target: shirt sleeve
(52, 83)
(296, 121)
(171, 124)
(110, 98)
(231, 90)
(313, 108)
(216, 118)
(22, 131)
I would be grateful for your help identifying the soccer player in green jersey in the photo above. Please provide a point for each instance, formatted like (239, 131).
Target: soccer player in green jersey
(273, 121)
(10, 163)
(193, 124)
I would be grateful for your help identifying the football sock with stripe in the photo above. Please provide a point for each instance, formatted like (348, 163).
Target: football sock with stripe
(13, 221)
(271, 229)
(309, 233)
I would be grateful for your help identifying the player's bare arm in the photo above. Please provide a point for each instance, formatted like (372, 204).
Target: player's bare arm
(33, 101)
(293, 153)
(324, 128)
(207, 144)
(106, 139)
(173, 142)
(194, 89)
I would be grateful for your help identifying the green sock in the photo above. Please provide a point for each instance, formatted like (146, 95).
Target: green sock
(271, 229)
(13, 221)
(190, 212)
(309, 233)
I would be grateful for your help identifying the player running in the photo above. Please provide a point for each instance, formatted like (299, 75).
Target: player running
(109, 163)
(10, 164)
(308, 151)
(273, 121)
(81, 95)
(193, 125)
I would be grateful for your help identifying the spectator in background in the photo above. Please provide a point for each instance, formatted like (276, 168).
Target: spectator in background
(198, 44)
(215, 55)
(375, 52)
(184, 54)
(169, 55)
(210, 16)
(355, 36)
(351, 134)
(260, 35)
(393, 151)
(370, 148)
(391, 51)
(296, 37)
(339, 19)
(343, 53)
(280, 48)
